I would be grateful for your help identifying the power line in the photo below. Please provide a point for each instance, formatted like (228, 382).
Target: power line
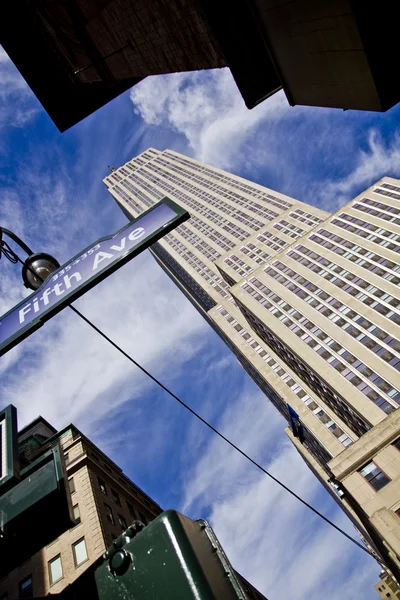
(228, 441)
(193, 412)
(15, 258)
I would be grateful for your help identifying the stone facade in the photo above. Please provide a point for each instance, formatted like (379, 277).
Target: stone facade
(309, 303)
(86, 467)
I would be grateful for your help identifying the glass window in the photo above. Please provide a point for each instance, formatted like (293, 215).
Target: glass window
(374, 475)
(131, 510)
(122, 521)
(80, 552)
(397, 444)
(55, 569)
(77, 514)
(102, 486)
(142, 518)
(109, 513)
(25, 588)
(71, 485)
(115, 497)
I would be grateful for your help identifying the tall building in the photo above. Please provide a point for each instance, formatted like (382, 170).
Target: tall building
(104, 503)
(387, 587)
(309, 303)
(337, 54)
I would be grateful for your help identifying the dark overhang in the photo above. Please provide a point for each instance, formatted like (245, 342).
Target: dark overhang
(58, 60)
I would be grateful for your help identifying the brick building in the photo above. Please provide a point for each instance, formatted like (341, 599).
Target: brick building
(104, 502)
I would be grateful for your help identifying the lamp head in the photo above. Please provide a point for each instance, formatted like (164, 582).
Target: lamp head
(37, 268)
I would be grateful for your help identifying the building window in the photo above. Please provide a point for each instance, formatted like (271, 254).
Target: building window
(396, 444)
(397, 511)
(25, 588)
(142, 518)
(131, 510)
(80, 552)
(102, 486)
(77, 514)
(122, 522)
(71, 485)
(374, 475)
(66, 458)
(55, 569)
(109, 513)
(115, 497)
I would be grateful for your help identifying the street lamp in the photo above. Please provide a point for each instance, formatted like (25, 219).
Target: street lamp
(36, 268)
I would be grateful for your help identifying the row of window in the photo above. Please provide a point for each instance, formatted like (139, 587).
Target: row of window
(359, 375)
(232, 182)
(378, 235)
(55, 570)
(388, 186)
(305, 217)
(359, 288)
(304, 371)
(201, 208)
(343, 316)
(375, 263)
(376, 213)
(375, 476)
(238, 265)
(80, 555)
(208, 199)
(198, 265)
(221, 240)
(289, 229)
(389, 208)
(272, 241)
(255, 253)
(288, 380)
(206, 250)
(117, 500)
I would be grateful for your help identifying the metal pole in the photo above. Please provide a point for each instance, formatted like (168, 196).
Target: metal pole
(17, 240)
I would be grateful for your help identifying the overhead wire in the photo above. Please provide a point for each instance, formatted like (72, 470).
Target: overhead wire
(204, 421)
(216, 431)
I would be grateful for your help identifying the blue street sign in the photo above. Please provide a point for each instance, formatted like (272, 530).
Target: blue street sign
(86, 269)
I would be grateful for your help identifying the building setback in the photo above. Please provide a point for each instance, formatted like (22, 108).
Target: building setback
(309, 304)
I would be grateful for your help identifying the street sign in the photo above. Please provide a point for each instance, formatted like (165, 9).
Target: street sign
(86, 269)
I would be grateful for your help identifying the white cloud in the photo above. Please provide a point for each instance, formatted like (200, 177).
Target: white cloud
(292, 146)
(273, 540)
(379, 159)
(17, 103)
(207, 109)
(69, 369)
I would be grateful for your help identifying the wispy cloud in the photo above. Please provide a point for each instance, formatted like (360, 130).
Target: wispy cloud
(55, 200)
(321, 156)
(379, 158)
(17, 103)
(207, 109)
(276, 542)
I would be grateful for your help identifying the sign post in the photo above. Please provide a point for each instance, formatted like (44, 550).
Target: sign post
(87, 269)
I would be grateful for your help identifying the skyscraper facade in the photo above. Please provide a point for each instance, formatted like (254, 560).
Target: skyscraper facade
(308, 301)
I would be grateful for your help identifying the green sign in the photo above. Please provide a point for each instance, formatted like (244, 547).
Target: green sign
(9, 463)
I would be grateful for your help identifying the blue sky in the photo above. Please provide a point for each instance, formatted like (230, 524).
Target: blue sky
(52, 195)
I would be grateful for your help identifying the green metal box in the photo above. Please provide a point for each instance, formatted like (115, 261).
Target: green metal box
(171, 558)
